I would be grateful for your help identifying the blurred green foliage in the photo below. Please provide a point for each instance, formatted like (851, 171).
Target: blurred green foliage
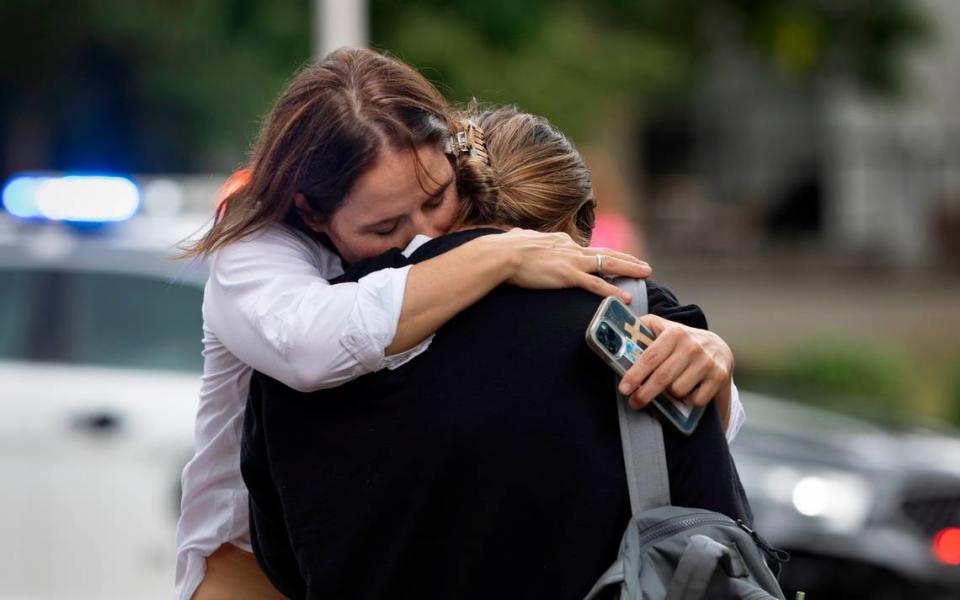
(954, 393)
(593, 68)
(866, 381)
(163, 85)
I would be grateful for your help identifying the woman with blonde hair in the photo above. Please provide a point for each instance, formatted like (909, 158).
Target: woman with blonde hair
(529, 175)
(491, 465)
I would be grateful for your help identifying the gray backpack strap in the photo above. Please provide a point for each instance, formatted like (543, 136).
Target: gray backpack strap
(697, 565)
(641, 435)
(695, 569)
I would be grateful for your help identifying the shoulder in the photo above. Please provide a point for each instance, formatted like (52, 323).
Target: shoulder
(664, 303)
(276, 248)
(511, 309)
(391, 259)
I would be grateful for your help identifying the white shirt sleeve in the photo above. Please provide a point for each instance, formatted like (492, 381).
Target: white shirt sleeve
(270, 303)
(738, 415)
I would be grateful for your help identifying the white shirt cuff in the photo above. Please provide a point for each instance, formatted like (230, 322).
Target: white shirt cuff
(395, 361)
(372, 324)
(738, 415)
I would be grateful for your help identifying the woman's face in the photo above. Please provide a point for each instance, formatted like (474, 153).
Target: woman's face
(393, 202)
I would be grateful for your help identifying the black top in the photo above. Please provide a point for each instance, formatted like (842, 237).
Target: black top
(490, 466)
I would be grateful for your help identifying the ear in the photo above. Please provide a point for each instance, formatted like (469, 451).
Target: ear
(307, 214)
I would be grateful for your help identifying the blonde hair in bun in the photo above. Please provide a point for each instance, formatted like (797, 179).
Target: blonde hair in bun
(532, 177)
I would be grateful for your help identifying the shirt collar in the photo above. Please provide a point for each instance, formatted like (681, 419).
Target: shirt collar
(415, 244)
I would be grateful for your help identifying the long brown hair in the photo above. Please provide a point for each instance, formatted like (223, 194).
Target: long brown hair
(328, 126)
(535, 178)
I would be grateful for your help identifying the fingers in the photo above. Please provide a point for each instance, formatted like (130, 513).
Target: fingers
(601, 287)
(614, 266)
(694, 383)
(704, 393)
(650, 360)
(554, 260)
(657, 383)
(676, 363)
(615, 254)
(658, 325)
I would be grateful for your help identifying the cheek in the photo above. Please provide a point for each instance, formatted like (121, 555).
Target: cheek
(360, 248)
(442, 218)
(354, 247)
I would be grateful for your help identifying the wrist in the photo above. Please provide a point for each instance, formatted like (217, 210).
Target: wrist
(504, 258)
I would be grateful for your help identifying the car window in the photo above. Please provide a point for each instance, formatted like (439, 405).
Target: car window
(15, 297)
(100, 318)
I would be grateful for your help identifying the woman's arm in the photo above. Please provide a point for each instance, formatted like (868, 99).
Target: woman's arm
(269, 302)
(268, 299)
(439, 288)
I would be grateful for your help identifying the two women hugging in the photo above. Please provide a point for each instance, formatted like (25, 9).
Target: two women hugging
(409, 425)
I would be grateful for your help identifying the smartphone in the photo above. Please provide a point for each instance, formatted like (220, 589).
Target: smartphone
(619, 337)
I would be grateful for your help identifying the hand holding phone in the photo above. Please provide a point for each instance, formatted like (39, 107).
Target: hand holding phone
(619, 337)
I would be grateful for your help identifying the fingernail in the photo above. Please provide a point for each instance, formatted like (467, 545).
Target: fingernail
(627, 298)
(624, 389)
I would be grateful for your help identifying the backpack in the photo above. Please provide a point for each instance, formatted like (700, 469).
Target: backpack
(672, 552)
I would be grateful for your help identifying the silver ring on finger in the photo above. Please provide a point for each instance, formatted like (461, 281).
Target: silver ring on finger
(599, 264)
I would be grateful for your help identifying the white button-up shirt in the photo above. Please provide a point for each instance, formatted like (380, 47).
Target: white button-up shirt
(268, 306)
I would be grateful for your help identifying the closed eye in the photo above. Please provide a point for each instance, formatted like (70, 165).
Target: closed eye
(433, 203)
(386, 230)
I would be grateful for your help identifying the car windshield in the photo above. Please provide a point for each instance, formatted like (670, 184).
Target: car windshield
(99, 318)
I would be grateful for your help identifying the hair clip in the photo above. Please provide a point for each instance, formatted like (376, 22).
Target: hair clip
(470, 141)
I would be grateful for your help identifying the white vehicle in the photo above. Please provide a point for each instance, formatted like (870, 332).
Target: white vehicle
(100, 341)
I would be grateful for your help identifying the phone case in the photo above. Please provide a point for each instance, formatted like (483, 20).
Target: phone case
(619, 337)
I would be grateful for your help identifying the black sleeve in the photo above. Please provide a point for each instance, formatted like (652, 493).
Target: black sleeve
(697, 470)
(663, 303)
(392, 258)
(268, 526)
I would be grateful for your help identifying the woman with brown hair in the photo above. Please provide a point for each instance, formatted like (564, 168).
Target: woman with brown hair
(491, 465)
(350, 162)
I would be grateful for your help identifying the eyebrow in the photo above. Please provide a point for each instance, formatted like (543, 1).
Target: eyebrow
(441, 188)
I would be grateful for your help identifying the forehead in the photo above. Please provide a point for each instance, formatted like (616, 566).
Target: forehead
(395, 179)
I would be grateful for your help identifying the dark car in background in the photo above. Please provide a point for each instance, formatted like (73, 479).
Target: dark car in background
(864, 511)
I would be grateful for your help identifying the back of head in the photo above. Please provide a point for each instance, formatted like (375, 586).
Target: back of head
(535, 178)
(327, 127)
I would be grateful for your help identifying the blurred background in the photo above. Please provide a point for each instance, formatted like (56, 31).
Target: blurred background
(793, 166)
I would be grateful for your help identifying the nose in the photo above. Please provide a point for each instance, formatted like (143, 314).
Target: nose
(429, 224)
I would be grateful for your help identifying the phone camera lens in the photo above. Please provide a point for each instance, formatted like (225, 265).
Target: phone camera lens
(603, 333)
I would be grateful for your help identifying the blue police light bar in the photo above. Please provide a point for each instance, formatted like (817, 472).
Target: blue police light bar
(72, 198)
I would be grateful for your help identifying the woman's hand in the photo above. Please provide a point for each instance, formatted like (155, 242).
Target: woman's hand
(692, 365)
(553, 260)
(439, 288)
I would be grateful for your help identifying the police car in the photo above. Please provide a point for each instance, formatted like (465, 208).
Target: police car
(100, 358)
